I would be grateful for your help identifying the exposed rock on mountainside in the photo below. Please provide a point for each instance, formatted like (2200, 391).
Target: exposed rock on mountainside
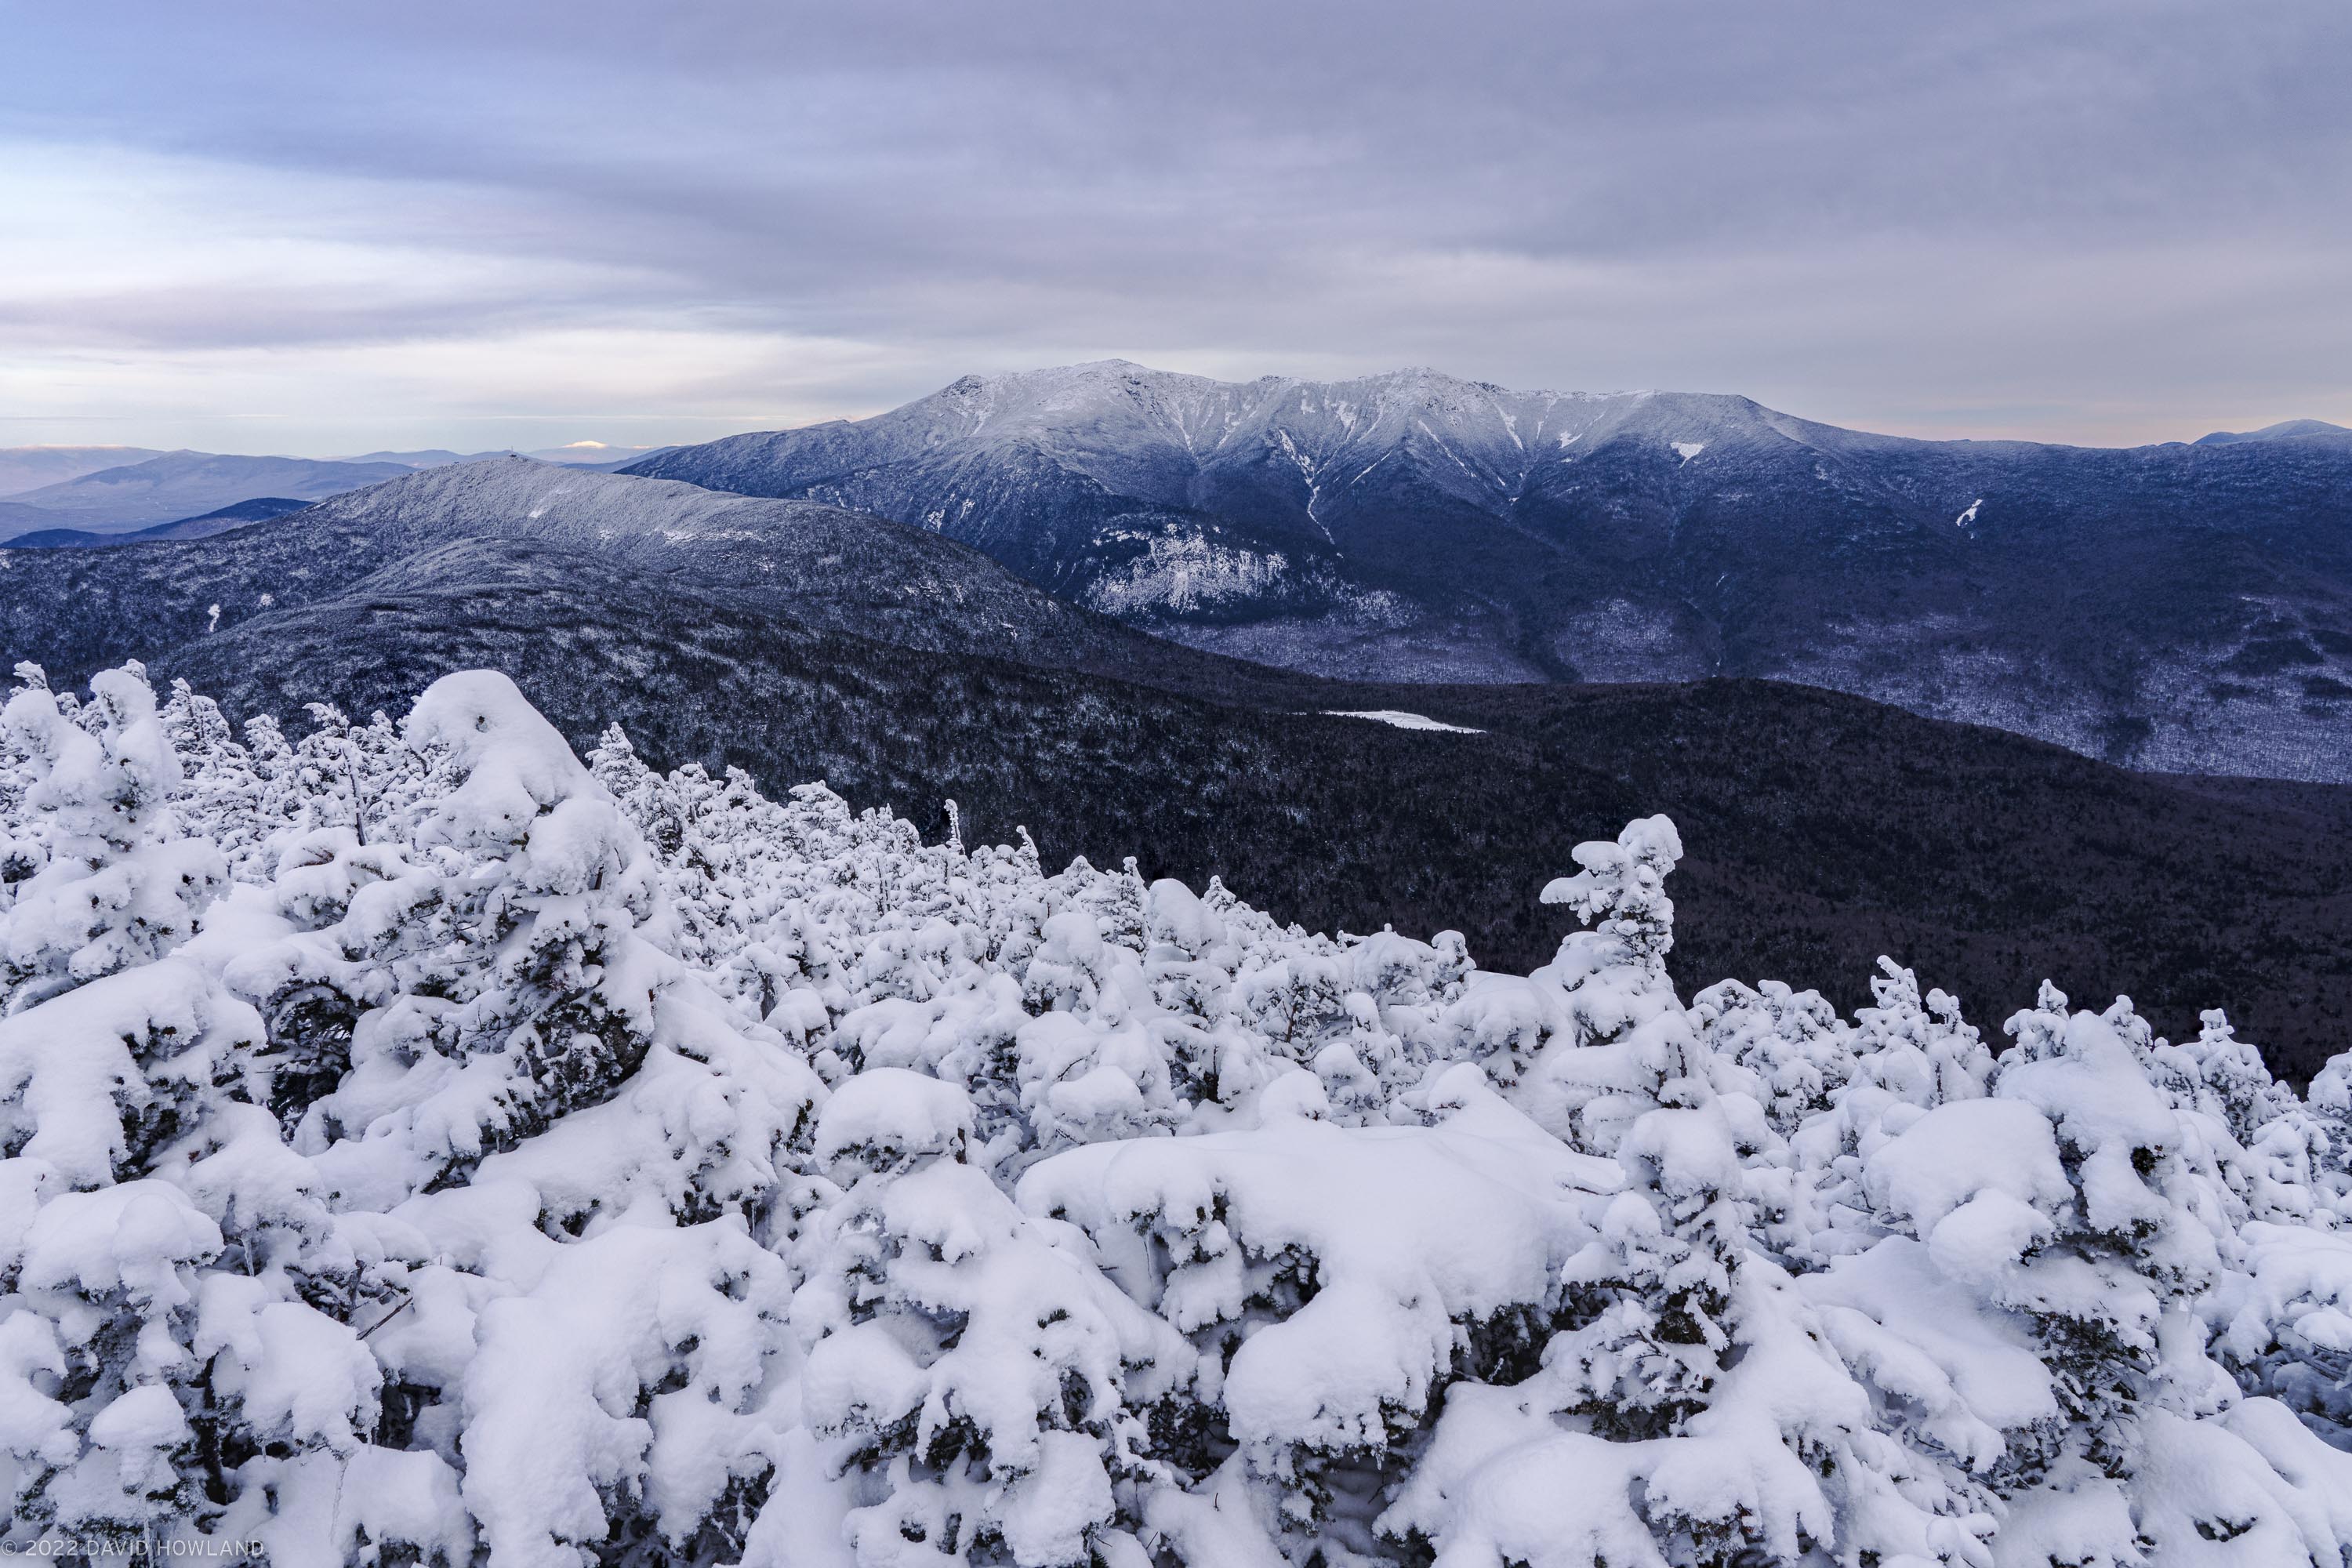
(2186, 607)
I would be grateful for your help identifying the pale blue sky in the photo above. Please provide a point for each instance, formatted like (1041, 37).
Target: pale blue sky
(326, 229)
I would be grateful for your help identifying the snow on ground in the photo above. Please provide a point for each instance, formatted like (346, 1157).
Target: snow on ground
(1400, 719)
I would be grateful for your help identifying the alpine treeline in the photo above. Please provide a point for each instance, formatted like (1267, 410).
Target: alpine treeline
(425, 1147)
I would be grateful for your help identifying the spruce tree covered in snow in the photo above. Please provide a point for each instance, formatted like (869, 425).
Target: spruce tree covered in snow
(1790, 1048)
(979, 1382)
(421, 1145)
(103, 878)
(1627, 1046)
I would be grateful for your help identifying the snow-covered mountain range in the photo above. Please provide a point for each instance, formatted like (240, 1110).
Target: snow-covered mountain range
(2184, 606)
(835, 570)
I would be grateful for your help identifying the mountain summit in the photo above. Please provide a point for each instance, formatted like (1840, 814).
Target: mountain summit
(2184, 606)
(2285, 430)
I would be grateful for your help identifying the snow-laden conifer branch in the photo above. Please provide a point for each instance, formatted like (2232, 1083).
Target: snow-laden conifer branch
(418, 1145)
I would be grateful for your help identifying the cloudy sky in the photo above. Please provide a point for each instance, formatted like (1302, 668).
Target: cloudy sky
(324, 228)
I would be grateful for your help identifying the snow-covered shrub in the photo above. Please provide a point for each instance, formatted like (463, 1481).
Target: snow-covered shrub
(977, 1378)
(419, 1146)
(1327, 1281)
(100, 875)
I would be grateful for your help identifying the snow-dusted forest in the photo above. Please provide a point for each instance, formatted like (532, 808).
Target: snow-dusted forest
(424, 1146)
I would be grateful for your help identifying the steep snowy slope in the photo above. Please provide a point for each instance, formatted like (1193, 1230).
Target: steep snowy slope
(2180, 606)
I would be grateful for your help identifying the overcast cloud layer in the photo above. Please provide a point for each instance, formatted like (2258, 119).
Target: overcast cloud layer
(323, 228)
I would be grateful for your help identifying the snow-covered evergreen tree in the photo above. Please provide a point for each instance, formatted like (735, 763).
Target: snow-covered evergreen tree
(985, 1387)
(104, 877)
(1627, 1046)
(1788, 1051)
(420, 1146)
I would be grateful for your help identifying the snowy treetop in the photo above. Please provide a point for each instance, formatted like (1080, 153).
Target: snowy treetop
(421, 1144)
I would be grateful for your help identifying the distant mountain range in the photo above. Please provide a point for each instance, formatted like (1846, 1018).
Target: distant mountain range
(66, 492)
(179, 485)
(30, 467)
(2287, 430)
(573, 455)
(2185, 607)
(244, 513)
(799, 641)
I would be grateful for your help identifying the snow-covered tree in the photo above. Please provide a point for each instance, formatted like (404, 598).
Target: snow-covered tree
(418, 1145)
(984, 1387)
(1788, 1050)
(103, 876)
(1627, 1046)
(1919, 1052)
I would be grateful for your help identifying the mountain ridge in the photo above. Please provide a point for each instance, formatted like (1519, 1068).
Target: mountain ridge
(220, 520)
(844, 571)
(1418, 526)
(179, 485)
(30, 467)
(2284, 430)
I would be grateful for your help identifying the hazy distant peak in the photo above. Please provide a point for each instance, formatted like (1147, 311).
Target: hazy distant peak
(586, 454)
(173, 486)
(68, 447)
(430, 458)
(2285, 430)
(30, 467)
